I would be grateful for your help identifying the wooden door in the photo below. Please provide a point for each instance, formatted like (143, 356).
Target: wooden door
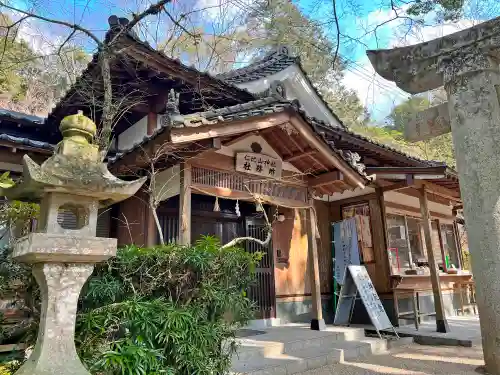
(263, 291)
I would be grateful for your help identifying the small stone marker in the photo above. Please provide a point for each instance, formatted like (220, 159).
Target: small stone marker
(73, 179)
(429, 124)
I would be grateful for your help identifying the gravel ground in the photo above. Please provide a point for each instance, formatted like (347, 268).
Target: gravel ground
(412, 360)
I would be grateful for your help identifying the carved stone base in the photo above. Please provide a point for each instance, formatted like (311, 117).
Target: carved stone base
(55, 352)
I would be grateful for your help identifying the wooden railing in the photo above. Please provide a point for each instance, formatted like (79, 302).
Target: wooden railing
(255, 185)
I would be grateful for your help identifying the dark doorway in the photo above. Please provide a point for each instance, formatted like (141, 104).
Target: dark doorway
(263, 292)
(226, 225)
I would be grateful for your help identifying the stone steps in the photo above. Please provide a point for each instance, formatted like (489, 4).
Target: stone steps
(288, 350)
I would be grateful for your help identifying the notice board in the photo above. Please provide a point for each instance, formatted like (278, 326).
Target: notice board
(357, 281)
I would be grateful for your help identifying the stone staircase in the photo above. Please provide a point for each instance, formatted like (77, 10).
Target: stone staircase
(288, 349)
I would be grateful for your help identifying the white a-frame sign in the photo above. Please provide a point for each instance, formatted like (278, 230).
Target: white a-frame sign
(357, 281)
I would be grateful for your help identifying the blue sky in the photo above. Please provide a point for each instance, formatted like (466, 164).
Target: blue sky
(357, 21)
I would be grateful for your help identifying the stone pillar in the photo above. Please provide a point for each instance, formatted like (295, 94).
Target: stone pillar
(472, 82)
(63, 255)
(317, 321)
(466, 64)
(55, 352)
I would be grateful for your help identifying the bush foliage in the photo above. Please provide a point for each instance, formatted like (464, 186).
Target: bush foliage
(166, 309)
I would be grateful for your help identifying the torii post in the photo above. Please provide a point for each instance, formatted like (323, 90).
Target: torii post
(466, 63)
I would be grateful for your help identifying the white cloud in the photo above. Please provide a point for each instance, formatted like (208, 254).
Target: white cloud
(220, 10)
(43, 38)
(376, 93)
(427, 33)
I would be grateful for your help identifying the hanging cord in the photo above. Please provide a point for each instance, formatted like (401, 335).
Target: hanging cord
(259, 197)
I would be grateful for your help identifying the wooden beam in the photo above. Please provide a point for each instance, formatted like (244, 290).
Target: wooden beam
(440, 191)
(196, 133)
(12, 145)
(406, 170)
(223, 192)
(325, 179)
(314, 159)
(354, 200)
(441, 322)
(152, 122)
(354, 178)
(395, 186)
(240, 138)
(271, 138)
(300, 155)
(216, 144)
(408, 182)
(413, 211)
(185, 204)
(413, 191)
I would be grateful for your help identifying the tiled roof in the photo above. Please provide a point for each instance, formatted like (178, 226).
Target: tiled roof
(132, 36)
(240, 111)
(255, 108)
(16, 116)
(272, 63)
(327, 128)
(26, 142)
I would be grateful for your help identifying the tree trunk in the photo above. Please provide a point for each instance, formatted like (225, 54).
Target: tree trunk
(107, 105)
(157, 222)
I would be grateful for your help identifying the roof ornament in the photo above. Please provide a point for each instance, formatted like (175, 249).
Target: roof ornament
(277, 88)
(117, 23)
(353, 158)
(283, 50)
(172, 115)
(172, 105)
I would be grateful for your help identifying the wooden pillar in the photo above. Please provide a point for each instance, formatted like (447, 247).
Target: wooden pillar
(152, 122)
(381, 202)
(381, 245)
(441, 322)
(317, 321)
(458, 244)
(185, 204)
(441, 245)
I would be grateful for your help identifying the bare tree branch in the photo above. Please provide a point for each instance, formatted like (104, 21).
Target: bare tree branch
(73, 26)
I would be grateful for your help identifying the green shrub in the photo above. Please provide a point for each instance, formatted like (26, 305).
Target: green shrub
(166, 309)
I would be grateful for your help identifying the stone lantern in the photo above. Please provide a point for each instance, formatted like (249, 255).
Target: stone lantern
(73, 179)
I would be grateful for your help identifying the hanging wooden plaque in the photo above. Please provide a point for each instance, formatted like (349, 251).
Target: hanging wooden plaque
(259, 164)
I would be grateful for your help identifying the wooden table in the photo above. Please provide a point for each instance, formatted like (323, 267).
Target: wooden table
(465, 286)
(414, 285)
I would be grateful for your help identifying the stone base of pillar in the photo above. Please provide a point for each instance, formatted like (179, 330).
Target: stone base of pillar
(442, 326)
(318, 324)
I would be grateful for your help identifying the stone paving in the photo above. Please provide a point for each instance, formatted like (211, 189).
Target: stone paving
(413, 359)
(464, 331)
